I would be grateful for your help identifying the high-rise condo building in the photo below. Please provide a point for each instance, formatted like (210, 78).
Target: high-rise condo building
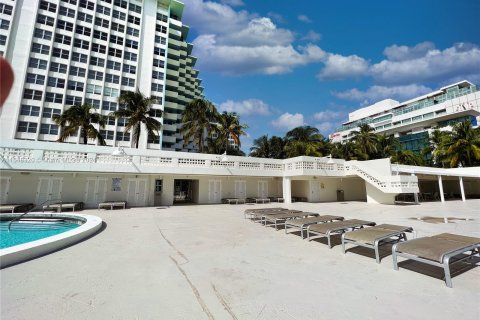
(411, 121)
(67, 52)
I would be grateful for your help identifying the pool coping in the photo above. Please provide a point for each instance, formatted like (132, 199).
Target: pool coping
(26, 251)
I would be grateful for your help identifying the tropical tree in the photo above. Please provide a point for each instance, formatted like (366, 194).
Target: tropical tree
(347, 150)
(366, 141)
(464, 146)
(261, 147)
(80, 117)
(436, 151)
(198, 121)
(277, 147)
(406, 157)
(229, 127)
(136, 107)
(386, 146)
(303, 141)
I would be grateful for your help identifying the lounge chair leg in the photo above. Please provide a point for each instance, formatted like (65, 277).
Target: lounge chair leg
(343, 243)
(329, 242)
(301, 232)
(377, 254)
(446, 268)
(394, 257)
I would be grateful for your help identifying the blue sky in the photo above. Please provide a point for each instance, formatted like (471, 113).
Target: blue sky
(280, 64)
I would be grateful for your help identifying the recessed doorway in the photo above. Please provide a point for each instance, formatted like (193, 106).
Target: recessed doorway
(183, 191)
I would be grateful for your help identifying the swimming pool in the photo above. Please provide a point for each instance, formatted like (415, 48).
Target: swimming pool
(30, 230)
(42, 233)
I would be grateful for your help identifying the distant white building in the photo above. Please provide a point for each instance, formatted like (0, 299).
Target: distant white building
(88, 51)
(411, 121)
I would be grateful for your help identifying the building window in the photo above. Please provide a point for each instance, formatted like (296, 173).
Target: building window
(42, 19)
(92, 88)
(157, 113)
(157, 87)
(159, 51)
(118, 15)
(77, 71)
(100, 35)
(75, 85)
(157, 75)
(133, 32)
(32, 94)
(40, 48)
(162, 17)
(101, 22)
(158, 63)
(95, 75)
(61, 38)
(82, 44)
(73, 100)
(122, 122)
(131, 44)
(42, 34)
(83, 30)
(58, 67)
(49, 112)
(120, 3)
(74, 2)
(99, 48)
(86, 4)
(122, 136)
(128, 82)
(79, 57)
(102, 9)
(134, 20)
(93, 102)
(113, 65)
(112, 52)
(158, 182)
(107, 134)
(56, 82)
(111, 78)
(35, 78)
(64, 25)
(45, 5)
(38, 63)
(109, 106)
(160, 40)
(24, 126)
(129, 69)
(67, 12)
(155, 140)
(135, 8)
(110, 121)
(111, 92)
(31, 111)
(160, 28)
(82, 16)
(3, 40)
(130, 56)
(46, 128)
(60, 53)
(53, 97)
(99, 62)
(118, 27)
(116, 40)
(6, 9)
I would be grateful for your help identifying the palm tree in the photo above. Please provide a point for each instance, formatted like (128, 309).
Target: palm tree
(366, 141)
(464, 147)
(406, 157)
(198, 118)
(135, 107)
(261, 147)
(80, 117)
(347, 150)
(303, 141)
(436, 148)
(277, 146)
(229, 127)
(386, 146)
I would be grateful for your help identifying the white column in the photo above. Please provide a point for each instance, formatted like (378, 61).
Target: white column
(462, 191)
(440, 188)
(287, 189)
(415, 194)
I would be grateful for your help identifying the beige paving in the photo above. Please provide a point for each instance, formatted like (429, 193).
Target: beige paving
(207, 262)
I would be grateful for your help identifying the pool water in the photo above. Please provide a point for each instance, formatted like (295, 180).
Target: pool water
(26, 231)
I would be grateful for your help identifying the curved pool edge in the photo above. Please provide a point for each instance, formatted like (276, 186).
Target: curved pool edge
(26, 251)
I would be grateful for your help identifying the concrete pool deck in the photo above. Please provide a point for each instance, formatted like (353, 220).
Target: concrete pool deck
(207, 262)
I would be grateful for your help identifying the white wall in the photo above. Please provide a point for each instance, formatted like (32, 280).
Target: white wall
(376, 196)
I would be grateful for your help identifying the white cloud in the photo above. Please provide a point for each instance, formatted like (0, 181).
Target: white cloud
(259, 32)
(401, 53)
(328, 115)
(304, 18)
(328, 120)
(246, 107)
(312, 36)
(340, 67)
(265, 59)
(234, 3)
(377, 93)
(289, 121)
(460, 60)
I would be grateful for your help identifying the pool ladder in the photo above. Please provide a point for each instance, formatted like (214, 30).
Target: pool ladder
(52, 201)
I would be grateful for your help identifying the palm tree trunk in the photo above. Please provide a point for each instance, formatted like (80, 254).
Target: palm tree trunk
(85, 138)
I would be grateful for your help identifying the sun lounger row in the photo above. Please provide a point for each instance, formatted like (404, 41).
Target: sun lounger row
(436, 250)
(19, 207)
(61, 206)
(112, 204)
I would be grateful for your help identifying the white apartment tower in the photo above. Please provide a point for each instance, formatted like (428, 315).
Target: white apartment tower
(66, 52)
